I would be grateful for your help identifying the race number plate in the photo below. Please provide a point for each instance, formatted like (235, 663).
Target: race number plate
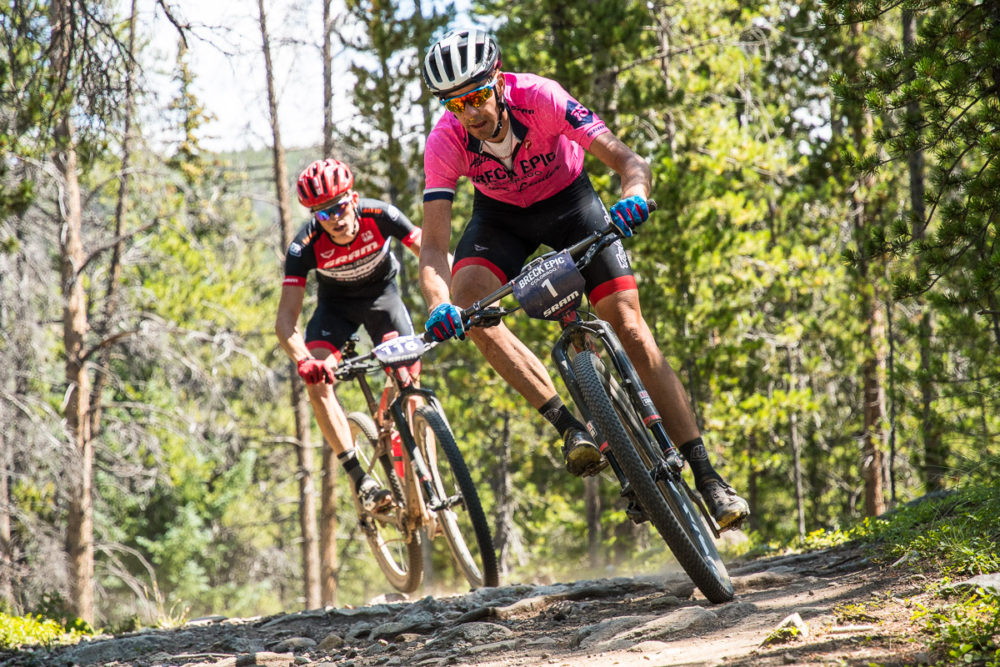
(548, 288)
(401, 350)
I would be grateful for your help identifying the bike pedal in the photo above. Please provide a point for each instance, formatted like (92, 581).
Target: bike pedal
(674, 460)
(635, 513)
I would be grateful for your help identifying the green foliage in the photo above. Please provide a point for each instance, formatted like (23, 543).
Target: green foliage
(956, 533)
(30, 630)
(50, 624)
(965, 633)
(783, 635)
(855, 612)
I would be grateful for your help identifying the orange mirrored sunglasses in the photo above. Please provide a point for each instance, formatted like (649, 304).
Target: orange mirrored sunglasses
(475, 98)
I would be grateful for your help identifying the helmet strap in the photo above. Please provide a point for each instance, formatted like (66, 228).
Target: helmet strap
(501, 107)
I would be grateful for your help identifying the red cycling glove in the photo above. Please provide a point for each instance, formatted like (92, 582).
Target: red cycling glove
(314, 371)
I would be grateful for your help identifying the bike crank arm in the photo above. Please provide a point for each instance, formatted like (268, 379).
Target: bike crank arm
(446, 503)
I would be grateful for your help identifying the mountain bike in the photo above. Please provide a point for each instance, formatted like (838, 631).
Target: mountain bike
(399, 443)
(616, 408)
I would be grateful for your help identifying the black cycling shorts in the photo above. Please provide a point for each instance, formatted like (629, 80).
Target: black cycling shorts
(503, 236)
(336, 318)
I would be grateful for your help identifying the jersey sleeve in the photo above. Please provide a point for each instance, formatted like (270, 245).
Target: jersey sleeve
(443, 156)
(297, 261)
(574, 120)
(394, 222)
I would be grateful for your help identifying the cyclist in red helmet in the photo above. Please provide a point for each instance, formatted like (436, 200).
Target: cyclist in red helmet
(346, 243)
(521, 138)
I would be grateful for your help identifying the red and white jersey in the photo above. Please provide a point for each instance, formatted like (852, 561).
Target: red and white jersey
(360, 268)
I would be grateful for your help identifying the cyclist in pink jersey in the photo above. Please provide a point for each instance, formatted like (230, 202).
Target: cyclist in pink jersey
(520, 139)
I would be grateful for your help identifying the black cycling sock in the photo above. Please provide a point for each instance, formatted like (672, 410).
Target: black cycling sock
(349, 461)
(559, 416)
(696, 455)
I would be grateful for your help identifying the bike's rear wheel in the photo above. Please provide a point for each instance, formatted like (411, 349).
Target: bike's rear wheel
(463, 523)
(664, 498)
(395, 546)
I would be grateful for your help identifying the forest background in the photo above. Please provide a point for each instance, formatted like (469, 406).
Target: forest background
(822, 272)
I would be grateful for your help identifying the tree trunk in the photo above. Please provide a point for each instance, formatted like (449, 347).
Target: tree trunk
(753, 495)
(79, 473)
(304, 451)
(328, 495)
(935, 454)
(115, 270)
(506, 538)
(6, 546)
(796, 441)
(873, 364)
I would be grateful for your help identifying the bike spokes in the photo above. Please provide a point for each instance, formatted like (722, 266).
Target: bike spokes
(456, 507)
(394, 543)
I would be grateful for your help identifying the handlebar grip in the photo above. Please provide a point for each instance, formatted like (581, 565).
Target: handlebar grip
(651, 204)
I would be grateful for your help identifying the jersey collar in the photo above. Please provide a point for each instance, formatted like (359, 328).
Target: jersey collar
(519, 129)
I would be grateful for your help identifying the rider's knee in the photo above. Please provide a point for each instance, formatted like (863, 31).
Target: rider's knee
(631, 331)
(471, 283)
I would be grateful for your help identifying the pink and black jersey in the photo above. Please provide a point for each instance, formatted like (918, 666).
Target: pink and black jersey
(362, 268)
(552, 130)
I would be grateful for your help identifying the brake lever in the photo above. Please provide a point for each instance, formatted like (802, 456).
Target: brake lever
(490, 317)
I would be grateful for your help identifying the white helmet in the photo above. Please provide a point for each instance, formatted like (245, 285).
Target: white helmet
(459, 58)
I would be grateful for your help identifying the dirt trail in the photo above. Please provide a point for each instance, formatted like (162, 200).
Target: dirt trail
(851, 612)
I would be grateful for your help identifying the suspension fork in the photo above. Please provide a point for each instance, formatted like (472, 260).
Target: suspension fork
(632, 385)
(398, 411)
(575, 335)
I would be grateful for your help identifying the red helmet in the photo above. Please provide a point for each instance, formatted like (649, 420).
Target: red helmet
(323, 181)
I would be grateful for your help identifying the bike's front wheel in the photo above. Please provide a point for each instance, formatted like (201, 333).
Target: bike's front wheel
(461, 519)
(395, 545)
(665, 500)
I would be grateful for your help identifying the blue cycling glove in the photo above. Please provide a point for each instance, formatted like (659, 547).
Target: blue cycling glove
(445, 322)
(629, 213)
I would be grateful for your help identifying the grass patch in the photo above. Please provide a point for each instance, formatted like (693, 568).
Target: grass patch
(857, 612)
(34, 630)
(783, 635)
(953, 536)
(965, 633)
(956, 534)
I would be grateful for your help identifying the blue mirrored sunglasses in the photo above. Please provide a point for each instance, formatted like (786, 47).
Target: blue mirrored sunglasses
(334, 211)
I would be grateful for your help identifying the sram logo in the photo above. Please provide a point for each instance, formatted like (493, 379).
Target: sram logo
(358, 253)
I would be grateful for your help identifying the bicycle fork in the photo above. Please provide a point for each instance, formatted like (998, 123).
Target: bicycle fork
(579, 334)
(420, 469)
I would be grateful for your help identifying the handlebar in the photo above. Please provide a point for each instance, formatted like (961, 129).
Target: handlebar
(352, 367)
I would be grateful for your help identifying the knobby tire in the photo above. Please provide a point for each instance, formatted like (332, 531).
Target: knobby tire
(396, 547)
(667, 506)
(470, 504)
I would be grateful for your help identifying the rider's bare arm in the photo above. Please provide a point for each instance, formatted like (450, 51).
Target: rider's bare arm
(286, 324)
(637, 178)
(435, 265)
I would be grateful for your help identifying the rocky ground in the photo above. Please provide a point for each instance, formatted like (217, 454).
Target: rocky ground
(848, 610)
